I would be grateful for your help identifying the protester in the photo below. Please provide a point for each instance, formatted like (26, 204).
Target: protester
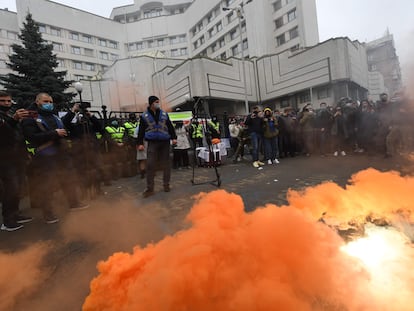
(156, 128)
(12, 161)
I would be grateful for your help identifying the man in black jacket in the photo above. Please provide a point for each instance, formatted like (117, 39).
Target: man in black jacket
(156, 128)
(12, 162)
(51, 164)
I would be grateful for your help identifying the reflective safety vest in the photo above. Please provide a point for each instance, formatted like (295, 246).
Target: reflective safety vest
(117, 133)
(156, 131)
(215, 126)
(197, 131)
(49, 148)
(98, 135)
(130, 127)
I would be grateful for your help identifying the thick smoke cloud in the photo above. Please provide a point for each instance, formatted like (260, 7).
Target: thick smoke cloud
(272, 258)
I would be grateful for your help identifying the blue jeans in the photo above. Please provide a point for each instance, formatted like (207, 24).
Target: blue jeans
(256, 139)
(271, 148)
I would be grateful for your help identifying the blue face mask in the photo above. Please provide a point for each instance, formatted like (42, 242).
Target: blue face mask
(47, 107)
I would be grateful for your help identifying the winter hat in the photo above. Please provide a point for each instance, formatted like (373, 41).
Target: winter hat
(267, 109)
(152, 99)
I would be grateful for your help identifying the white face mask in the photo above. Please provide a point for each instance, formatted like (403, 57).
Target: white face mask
(157, 106)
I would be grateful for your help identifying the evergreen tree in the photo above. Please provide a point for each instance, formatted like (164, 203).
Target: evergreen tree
(33, 65)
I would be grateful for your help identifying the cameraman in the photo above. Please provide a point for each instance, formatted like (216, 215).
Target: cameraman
(12, 162)
(83, 128)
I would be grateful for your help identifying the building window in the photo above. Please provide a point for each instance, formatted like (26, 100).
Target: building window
(202, 40)
(209, 17)
(78, 77)
(89, 67)
(222, 42)
(88, 52)
(219, 26)
(293, 33)
(223, 55)
(102, 42)
(114, 56)
(284, 103)
(277, 5)
(42, 28)
(132, 47)
(373, 67)
(229, 2)
(57, 46)
(160, 42)
(55, 31)
(280, 39)
(74, 36)
(235, 50)
(104, 55)
(87, 39)
(279, 22)
(175, 52)
(233, 34)
(294, 48)
(140, 45)
(304, 97)
(245, 44)
(174, 40)
(182, 38)
(152, 13)
(113, 44)
(77, 65)
(291, 15)
(183, 51)
(212, 32)
(75, 50)
(60, 63)
(370, 57)
(230, 17)
(323, 93)
(12, 35)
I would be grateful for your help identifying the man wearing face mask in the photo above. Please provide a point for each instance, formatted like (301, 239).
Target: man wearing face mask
(156, 128)
(51, 165)
(12, 160)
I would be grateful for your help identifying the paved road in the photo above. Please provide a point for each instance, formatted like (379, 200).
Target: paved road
(121, 219)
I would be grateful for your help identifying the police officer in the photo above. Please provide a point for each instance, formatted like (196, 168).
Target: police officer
(157, 129)
(12, 157)
(130, 143)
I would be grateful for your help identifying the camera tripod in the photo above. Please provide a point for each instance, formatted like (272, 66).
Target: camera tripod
(200, 113)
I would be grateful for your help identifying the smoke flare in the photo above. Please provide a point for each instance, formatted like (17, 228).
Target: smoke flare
(272, 258)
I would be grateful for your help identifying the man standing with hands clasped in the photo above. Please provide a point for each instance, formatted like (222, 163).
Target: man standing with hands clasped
(156, 128)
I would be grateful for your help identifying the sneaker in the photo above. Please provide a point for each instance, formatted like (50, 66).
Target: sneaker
(23, 219)
(147, 193)
(11, 227)
(50, 218)
(260, 163)
(167, 188)
(343, 153)
(335, 153)
(276, 161)
(269, 162)
(256, 164)
(79, 206)
(239, 159)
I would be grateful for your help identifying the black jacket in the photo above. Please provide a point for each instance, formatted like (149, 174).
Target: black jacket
(12, 146)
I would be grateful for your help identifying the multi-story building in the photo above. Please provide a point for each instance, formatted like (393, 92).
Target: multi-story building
(384, 65)
(86, 44)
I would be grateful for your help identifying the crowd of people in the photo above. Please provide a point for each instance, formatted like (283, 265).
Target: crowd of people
(384, 127)
(74, 154)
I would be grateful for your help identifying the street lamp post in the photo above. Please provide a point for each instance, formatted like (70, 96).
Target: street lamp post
(79, 88)
(239, 11)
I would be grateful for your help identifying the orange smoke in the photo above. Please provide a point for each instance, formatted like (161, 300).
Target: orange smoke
(270, 259)
(20, 274)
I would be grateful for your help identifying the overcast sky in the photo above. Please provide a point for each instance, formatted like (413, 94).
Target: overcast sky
(358, 19)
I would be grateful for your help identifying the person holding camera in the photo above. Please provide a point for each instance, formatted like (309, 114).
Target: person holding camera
(255, 125)
(156, 128)
(51, 164)
(12, 161)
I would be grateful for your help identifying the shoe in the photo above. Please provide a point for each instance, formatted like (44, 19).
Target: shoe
(50, 218)
(335, 153)
(269, 162)
(79, 206)
(260, 163)
(276, 161)
(23, 219)
(11, 226)
(147, 193)
(343, 153)
(239, 159)
(167, 188)
(256, 164)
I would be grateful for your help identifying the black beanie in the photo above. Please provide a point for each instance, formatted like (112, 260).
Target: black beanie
(152, 99)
